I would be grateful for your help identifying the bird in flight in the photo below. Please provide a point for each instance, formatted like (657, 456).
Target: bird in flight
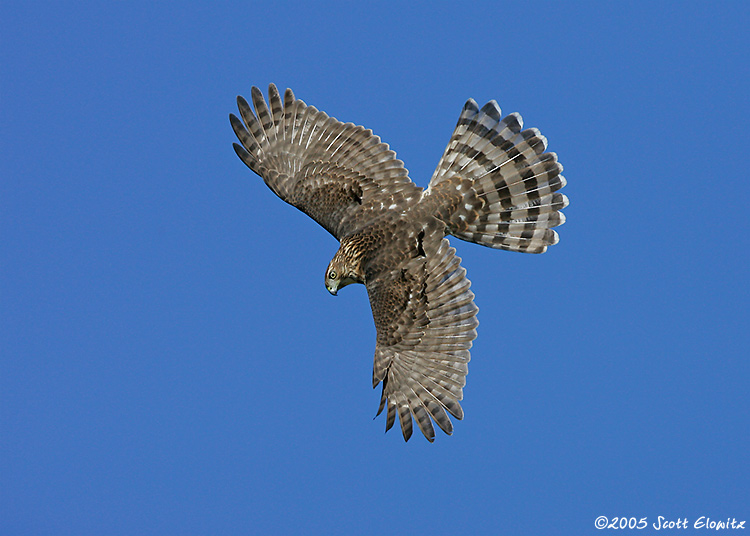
(495, 185)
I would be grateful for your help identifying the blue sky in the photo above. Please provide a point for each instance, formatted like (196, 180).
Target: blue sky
(171, 363)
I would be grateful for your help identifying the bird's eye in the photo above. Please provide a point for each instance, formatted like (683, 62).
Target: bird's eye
(332, 275)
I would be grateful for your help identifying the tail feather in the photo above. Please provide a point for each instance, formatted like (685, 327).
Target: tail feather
(545, 205)
(495, 184)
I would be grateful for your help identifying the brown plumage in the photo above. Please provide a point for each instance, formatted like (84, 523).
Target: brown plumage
(495, 185)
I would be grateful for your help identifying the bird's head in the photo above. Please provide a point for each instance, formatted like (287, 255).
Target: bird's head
(338, 275)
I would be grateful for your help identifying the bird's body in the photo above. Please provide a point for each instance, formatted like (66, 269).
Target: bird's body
(494, 186)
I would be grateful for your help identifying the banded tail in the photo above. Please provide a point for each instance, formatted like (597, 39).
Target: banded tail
(496, 186)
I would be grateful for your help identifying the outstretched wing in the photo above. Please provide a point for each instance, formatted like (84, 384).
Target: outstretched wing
(338, 173)
(425, 319)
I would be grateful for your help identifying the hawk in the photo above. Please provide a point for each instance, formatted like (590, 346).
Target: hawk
(495, 185)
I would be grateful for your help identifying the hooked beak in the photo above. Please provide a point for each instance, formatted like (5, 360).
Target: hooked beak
(332, 290)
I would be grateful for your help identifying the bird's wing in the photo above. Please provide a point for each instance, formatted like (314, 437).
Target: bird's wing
(425, 319)
(338, 173)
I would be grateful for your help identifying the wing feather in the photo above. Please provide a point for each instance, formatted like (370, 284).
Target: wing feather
(340, 174)
(423, 371)
(390, 416)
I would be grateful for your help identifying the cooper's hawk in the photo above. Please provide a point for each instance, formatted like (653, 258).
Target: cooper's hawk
(495, 185)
